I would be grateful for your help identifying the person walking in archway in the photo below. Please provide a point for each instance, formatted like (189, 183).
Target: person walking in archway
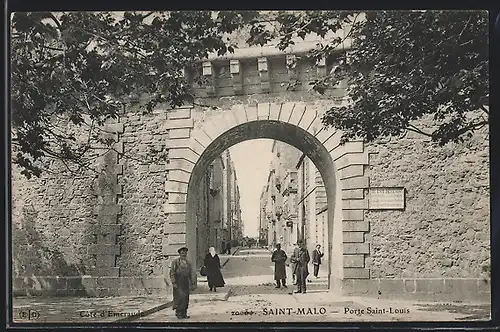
(183, 282)
(212, 266)
(316, 259)
(301, 269)
(279, 258)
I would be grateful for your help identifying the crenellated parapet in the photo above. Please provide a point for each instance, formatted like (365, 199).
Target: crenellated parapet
(270, 71)
(263, 67)
(208, 74)
(236, 77)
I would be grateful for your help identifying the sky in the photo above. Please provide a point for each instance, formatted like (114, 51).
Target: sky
(252, 161)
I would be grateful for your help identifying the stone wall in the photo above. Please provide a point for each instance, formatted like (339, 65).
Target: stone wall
(51, 221)
(143, 180)
(444, 229)
(440, 242)
(98, 234)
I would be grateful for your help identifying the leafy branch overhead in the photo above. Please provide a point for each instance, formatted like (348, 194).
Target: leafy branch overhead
(402, 66)
(87, 67)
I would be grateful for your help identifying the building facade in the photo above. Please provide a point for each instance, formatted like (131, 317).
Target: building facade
(312, 206)
(296, 200)
(263, 220)
(279, 197)
(232, 225)
(218, 214)
(236, 227)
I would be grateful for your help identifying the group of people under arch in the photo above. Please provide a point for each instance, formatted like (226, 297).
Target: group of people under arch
(299, 264)
(183, 276)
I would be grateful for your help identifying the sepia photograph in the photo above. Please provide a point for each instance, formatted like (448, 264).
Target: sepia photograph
(247, 166)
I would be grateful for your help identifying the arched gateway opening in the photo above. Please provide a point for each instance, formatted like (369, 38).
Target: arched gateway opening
(291, 123)
(271, 129)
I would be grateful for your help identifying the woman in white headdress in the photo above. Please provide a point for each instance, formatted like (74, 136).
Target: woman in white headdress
(212, 268)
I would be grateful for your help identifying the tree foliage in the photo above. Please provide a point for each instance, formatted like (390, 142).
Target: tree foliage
(412, 64)
(402, 66)
(86, 67)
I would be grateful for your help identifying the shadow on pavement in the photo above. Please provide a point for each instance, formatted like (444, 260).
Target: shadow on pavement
(259, 289)
(270, 288)
(473, 312)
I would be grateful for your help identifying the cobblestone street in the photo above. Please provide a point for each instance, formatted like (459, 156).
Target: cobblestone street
(254, 298)
(249, 296)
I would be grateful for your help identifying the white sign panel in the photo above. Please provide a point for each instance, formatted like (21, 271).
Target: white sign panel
(386, 199)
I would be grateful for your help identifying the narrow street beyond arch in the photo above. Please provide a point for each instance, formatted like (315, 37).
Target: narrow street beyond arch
(282, 131)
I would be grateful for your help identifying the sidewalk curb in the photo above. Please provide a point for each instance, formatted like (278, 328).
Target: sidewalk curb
(228, 294)
(227, 259)
(343, 302)
(164, 306)
(145, 313)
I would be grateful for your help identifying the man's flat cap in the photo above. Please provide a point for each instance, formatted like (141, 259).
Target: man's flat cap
(181, 249)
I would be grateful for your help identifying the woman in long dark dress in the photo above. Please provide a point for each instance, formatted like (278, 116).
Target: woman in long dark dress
(212, 266)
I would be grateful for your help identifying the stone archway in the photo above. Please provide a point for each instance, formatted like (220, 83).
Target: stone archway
(341, 167)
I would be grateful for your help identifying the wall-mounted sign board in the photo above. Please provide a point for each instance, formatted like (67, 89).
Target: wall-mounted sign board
(386, 198)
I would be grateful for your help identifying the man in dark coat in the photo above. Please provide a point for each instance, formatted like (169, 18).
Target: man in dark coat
(212, 266)
(279, 258)
(301, 269)
(183, 282)
(316, 259)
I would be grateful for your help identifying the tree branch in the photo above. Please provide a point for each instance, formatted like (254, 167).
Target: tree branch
(297, 30)
(485, 110)
(117, 45)
(56, 21)
(347, 35)
(411, 127)
(147, 15)
(473, 126)
(204, 105)
(81, 164)
(56, 135)
(52, 48)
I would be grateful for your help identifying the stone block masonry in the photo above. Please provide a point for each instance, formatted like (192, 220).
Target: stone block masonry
(439, 234)
(52, 220)
(183, 155)
(146, 168)
(424, 289)
(106, 228)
